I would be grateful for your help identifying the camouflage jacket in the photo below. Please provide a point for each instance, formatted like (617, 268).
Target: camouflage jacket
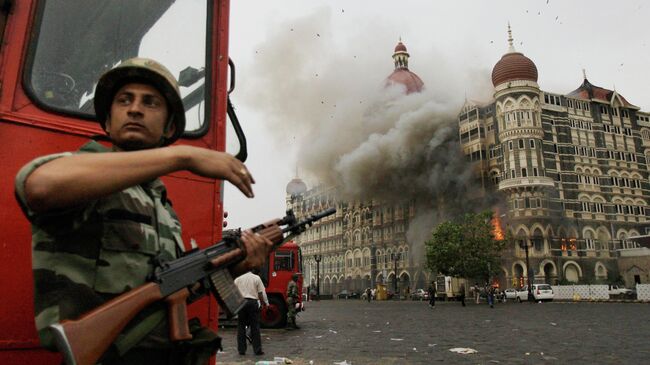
(85, 255)
(292, 290)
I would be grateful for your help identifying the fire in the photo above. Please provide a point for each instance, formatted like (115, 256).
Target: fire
(497, 231)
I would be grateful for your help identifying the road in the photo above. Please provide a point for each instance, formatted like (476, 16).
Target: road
(410, 332)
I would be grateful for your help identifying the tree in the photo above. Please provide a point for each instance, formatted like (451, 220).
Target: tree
(466, 248)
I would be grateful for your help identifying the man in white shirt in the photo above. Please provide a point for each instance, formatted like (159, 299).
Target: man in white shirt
(252, 289)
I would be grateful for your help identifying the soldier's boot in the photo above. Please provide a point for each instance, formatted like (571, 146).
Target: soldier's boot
(289, 326)
(293, 324)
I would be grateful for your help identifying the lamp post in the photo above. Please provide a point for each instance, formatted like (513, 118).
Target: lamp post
(530, 292)
(317, 258)
(396, 257)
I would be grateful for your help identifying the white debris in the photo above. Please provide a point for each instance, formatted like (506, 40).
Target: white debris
(344, 362)
(333, 331)
(397, 339)
(318, 336)
(553, 324)
(463, 350)
(415, 349)
(377, 331)
(528, 353)
(433, 344)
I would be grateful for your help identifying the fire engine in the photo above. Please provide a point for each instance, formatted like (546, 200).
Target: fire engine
(51, 55)
(276, 274)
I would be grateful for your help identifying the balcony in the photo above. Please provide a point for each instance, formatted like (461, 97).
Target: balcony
(524, 182)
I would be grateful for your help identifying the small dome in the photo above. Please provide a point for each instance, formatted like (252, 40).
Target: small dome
(410, 80)
(400, 47)
(296, 186)
(513, 66)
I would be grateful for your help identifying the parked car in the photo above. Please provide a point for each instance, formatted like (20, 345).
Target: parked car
(511, 293)
(541, 292)
(345, 294)
(420, 294)
(619, 290)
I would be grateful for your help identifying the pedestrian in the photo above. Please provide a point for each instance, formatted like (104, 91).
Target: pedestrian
(477, 293)
(368, 294)
(101, 218)
(292, 299)
(432, 294)
(490, 295)
(252, 289)
(461, 296)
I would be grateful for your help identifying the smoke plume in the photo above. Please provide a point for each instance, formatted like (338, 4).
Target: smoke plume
(371, 141)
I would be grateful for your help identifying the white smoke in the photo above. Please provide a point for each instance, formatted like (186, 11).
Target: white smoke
(352, 132)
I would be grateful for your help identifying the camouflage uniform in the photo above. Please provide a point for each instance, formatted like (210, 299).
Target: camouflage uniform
(85, 255)
(292, 299)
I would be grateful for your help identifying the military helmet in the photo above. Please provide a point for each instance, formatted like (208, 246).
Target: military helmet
(141, 70)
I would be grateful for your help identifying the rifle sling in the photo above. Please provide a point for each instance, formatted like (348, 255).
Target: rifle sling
(134, 335)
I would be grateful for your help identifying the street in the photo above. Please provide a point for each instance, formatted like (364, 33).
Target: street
(409, 332)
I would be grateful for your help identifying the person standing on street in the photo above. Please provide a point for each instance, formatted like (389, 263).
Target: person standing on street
(461, 296)
(368, 294)
(477, 293)
(292, 299)
(489, 289)
(252, 289)
(432, 294)
(102, 220)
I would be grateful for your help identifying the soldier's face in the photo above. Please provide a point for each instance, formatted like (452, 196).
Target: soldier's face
(138, 117)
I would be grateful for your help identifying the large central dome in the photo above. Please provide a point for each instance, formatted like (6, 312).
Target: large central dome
(513, 66)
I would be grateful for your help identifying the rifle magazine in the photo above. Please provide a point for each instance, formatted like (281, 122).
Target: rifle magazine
(226, 292)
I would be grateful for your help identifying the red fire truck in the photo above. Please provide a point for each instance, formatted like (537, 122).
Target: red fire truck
(276, 274)
(51, 55)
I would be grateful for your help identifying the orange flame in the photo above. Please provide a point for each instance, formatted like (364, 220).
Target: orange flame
(497, 231)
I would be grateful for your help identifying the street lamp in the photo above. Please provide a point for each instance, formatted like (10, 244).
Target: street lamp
(395, 257)
(530, 292)
(317, 258)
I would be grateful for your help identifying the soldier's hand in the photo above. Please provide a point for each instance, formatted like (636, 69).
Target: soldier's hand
(217, 165)
(257, 248)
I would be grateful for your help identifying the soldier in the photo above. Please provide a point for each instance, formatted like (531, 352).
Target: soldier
(292, 299)
(101, 218)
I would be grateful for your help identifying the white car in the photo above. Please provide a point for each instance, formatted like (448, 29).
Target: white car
(619, 290)
(541, 292)
(510, 293)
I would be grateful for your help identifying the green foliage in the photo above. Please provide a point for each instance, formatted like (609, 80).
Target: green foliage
(466, 248)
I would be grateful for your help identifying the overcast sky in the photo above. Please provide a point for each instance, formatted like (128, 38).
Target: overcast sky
(303, 64)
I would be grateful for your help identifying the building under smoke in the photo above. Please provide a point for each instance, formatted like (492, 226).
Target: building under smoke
(366, 239)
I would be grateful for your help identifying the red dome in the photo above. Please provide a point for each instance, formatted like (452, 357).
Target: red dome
(513, 66)
(407, 78)
(400, 47)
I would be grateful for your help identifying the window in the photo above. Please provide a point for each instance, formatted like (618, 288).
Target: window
(521, 144)
(535, 173)
(283, 261)
(67, 60)
(523, 172)
(532, 143)
(510, 145)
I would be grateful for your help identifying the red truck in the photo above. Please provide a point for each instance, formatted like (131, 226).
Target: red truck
(276, 274)
(51, 55)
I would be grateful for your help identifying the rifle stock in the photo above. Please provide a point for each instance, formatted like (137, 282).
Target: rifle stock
(73, 337)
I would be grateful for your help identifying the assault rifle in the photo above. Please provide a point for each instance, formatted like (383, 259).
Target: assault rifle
(84, 340)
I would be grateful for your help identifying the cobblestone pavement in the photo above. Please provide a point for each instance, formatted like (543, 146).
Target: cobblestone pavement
(409, 332)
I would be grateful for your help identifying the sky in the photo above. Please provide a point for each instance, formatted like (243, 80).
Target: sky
(310, 89)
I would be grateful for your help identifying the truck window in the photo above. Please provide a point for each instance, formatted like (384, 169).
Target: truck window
(66, 59)
(283, 261)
